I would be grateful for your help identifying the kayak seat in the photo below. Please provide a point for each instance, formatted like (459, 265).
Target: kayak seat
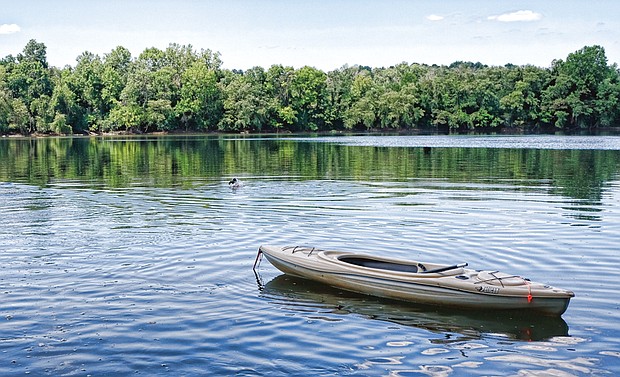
(380, 265)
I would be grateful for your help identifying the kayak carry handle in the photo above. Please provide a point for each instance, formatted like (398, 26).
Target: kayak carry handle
(258, 257)
(447, 268)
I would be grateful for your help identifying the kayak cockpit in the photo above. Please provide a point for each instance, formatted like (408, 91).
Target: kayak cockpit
(397, 266)
(383, 265)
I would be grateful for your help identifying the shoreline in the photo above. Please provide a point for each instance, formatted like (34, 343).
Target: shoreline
(605, 131)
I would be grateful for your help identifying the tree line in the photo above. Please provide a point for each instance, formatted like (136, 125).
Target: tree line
(181, 89)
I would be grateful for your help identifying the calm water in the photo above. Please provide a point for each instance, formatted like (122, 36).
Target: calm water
(125, 256)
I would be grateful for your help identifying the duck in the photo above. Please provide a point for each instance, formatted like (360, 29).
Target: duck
(234, 183)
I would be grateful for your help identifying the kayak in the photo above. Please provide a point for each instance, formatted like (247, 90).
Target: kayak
(418, 282)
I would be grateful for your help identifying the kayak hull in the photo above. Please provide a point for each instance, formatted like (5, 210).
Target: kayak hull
(415, 282)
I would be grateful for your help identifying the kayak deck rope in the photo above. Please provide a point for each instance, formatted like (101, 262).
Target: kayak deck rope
(302, 249)
(499, 279)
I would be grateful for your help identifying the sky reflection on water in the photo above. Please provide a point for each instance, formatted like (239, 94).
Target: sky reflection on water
(153, 276)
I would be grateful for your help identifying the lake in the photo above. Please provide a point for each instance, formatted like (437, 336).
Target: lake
(132, 256)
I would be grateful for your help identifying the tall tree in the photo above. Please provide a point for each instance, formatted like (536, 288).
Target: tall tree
(245, 102)
(308, 98)
(574, 97)
(34, 52)
(28, 79)
(278, 82)
(521, 104)
(200, 106)
(114, 75)
(87, 84)
(63, 108)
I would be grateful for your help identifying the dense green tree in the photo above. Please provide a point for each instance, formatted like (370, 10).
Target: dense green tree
(59, 124)
(64, 100)
(521, 105)
(114, 75)
(28, 80)
(278, 81)
(87, 84)
(6, 112)
(178, 88)
(398, 97)
(363, 102)
(245, 102)
(200, 106)
(145, 102)
(34, 52)
(608, 100)
(339, 95)
(6, 99)
(574, 98)
(308, 91)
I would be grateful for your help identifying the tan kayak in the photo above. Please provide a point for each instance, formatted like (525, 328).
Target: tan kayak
(424, 283)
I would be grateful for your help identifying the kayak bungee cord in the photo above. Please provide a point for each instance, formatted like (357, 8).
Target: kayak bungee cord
(526, 282)
(499, 278)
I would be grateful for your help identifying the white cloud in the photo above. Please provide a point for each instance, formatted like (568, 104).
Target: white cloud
(434, 17)
(521, 15)
(9, 28)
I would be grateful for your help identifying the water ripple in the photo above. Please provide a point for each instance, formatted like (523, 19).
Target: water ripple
(158, 281)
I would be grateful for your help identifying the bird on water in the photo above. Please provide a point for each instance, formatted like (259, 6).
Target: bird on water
(234, 183)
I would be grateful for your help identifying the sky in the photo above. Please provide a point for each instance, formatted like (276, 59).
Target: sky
(326, 34)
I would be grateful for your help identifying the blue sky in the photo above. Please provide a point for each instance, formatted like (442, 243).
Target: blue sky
(322, 33)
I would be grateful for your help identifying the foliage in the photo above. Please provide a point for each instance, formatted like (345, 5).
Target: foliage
(180, 89)
(584, 90)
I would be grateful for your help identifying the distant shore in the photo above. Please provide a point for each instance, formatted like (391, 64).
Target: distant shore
(182, 90)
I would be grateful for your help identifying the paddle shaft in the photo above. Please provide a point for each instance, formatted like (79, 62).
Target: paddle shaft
(447, 268)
